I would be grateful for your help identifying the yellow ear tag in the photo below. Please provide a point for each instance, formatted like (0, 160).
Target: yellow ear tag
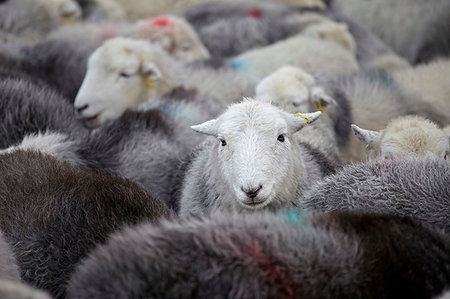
(149, 83)
(319, 106)
(308, 120)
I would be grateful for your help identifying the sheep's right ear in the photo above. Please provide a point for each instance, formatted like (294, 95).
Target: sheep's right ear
(151, 71)
(299, 120)
(366, 136)
(321, 99)
(209, 127)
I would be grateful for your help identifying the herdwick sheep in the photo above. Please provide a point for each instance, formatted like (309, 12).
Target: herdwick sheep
(174, 35)
(293, 89)
(33, 19)
(53, 214)
(136, 70)
(28, 107)
(142, 9)
(319, 57)
(369, 99)
(147, 148)
(264, 255)
(406, 136)
(254, 163)
(394, 21)
(408, 187)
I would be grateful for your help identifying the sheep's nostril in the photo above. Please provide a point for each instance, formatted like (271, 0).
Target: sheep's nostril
(82, 108)
(251, 192)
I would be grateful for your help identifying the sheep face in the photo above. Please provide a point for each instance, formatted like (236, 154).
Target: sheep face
(174, 35)
(121, 74)
(406, 136)
(292, 89)
(67, 11)
(257, 156)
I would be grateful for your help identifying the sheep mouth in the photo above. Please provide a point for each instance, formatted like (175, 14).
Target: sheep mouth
(92, 121)
(255, 203)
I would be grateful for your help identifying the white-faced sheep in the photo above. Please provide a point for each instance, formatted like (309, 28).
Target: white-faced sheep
(53, 214)
(123, 73)
(319, 57)
(406, 136)
(255, 162)
(28, 107)
(174, 35)
(410, 187)
(287, 255)
(293, 89)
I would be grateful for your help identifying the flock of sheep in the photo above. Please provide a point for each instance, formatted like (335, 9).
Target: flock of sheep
(224, 149)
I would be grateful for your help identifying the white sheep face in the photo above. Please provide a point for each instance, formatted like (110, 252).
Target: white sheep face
(121, 74)
(406, 136)
(256, 154)
(292, 89)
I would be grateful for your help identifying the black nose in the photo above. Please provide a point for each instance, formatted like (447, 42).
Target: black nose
(80, 109)
(251, 192)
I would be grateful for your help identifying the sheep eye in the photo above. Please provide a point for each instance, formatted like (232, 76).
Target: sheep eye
(281, 138)
(125, 75)
(223, 142)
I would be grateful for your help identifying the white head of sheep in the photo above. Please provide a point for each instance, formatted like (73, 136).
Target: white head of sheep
(173, 34)
(406, 136)
(292, 89)
(257, 157)
(121, 74)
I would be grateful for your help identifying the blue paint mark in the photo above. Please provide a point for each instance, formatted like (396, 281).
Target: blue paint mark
(167, 109)
(294, 216)
(238, 64)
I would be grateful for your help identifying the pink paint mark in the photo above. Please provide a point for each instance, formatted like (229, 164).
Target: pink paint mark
(106, 32)
(274, 273)
(161, 22)
(255, 12)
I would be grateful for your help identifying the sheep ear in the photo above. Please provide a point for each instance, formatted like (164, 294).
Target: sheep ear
(366, 136)
(321, 99)
(299, 120)
(209, 127)
(151, 71)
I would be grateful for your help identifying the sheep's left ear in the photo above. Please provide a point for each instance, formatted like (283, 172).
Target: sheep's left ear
(151, 71)
(208, 127)
(366, 136)
(299, 120)
(321, 99)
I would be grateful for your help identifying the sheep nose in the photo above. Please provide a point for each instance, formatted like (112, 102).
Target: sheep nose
(80, 109)
(251, 192)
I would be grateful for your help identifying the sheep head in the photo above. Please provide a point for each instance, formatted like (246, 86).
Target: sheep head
(121, 74)
(293, 89)
(256, 154)
(406, 136)
(174, 35)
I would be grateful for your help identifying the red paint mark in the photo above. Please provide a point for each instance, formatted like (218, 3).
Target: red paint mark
(161, 21)
(274, 273)
(255, 12)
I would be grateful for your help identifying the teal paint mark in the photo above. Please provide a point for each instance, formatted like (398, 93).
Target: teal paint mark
(238, 64)
(294, 216)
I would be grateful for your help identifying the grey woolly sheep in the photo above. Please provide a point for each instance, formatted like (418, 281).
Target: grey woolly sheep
(394, 21)
(418, 188)
(254, 163)
(28, 107)
(53, 214)
(264, 255)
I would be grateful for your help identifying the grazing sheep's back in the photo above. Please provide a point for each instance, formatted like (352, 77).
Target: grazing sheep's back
(31, 107)
(53, 214)
(419, 188)
(336, 255)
